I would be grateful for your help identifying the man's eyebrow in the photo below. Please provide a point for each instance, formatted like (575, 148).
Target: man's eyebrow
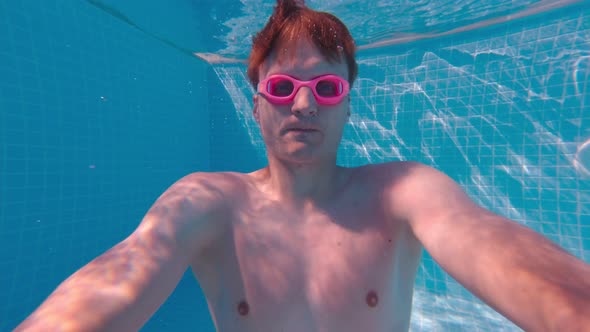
(297, 77)
(294, 72)
(284, 72)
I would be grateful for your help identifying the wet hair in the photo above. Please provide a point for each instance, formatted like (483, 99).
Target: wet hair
(291, 22)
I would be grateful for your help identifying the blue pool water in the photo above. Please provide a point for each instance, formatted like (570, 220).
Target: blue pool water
(104, 104)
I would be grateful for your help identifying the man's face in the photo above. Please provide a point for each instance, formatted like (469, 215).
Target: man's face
(302, 131)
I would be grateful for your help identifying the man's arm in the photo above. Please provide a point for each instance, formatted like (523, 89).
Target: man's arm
(122, 288)
(515, 270)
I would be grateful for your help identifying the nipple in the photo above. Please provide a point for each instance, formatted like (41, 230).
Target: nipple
(243, 308)
(372, 299)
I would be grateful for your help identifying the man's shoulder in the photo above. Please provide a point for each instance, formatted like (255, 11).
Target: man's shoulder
(222, 183)
(397, 170)
(410, 186)
(209, 190)
(227, 178)
(407, 179)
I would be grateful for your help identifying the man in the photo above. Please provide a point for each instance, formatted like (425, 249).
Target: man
(306, 245)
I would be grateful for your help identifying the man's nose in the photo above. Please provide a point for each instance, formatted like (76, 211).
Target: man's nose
(305, 103)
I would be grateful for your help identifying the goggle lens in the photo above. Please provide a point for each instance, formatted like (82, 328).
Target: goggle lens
(280, 87)
(328, 88)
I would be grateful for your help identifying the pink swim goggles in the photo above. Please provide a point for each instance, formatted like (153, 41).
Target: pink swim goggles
(281, 89)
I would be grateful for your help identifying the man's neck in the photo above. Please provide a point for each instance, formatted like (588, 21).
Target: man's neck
(301, 183)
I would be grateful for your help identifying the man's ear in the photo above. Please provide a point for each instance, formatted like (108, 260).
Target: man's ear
(255, 109)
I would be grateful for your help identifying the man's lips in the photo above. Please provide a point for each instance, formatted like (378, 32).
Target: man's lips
(303, 128)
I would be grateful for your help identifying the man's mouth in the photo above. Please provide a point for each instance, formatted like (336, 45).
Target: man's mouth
(301, 130)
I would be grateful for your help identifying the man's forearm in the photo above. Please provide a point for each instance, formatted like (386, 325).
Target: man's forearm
(559, 283)
(114, 292)
(531, 279)
(514, 269)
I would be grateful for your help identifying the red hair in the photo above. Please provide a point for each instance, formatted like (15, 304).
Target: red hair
(292, 21)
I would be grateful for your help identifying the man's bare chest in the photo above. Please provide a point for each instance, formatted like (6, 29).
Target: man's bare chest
(322, 262)
(326, 264)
